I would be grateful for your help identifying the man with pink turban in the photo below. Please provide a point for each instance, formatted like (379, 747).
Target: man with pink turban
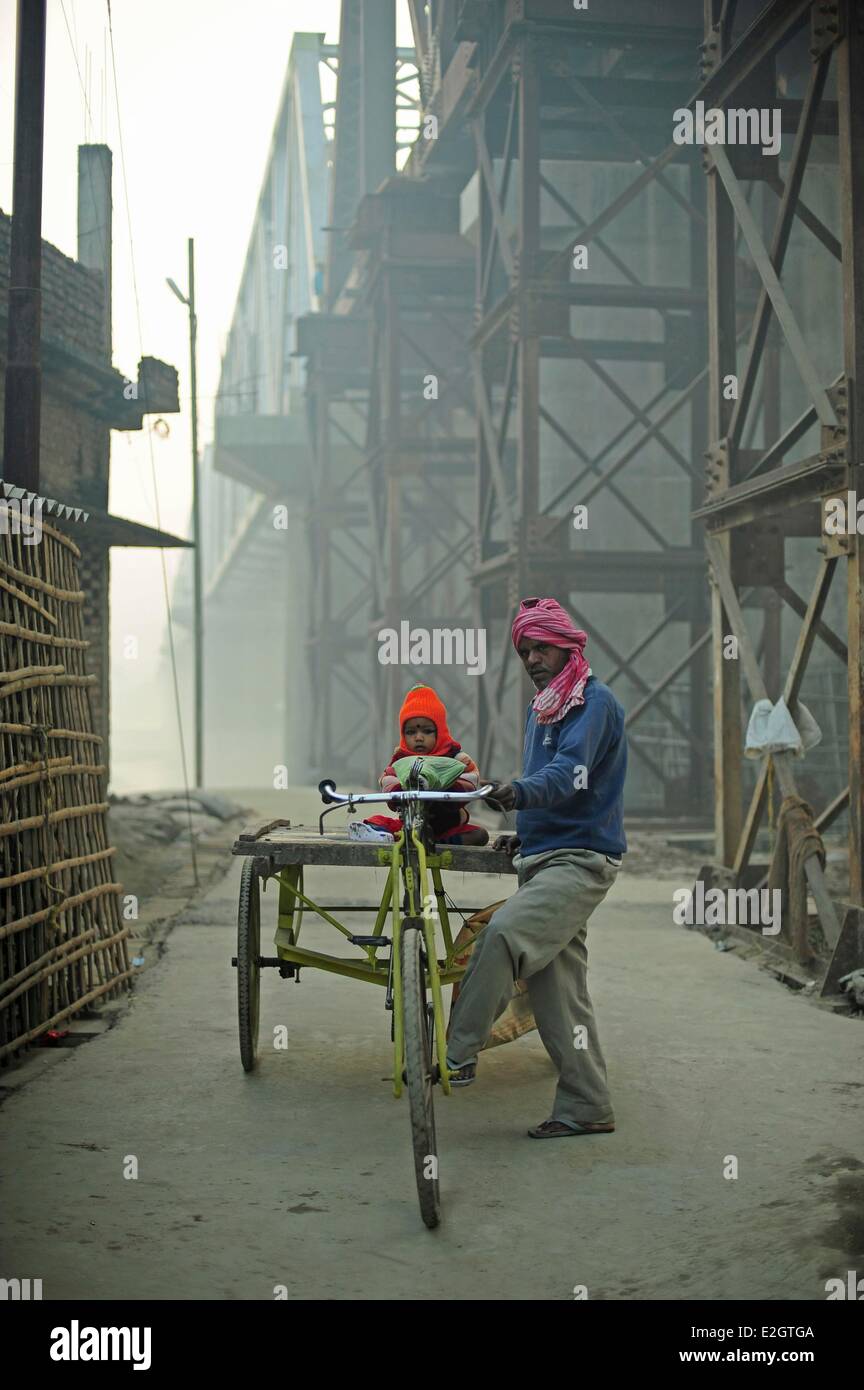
(567, 852)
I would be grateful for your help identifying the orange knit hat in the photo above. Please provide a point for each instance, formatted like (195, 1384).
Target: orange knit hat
(421, 700)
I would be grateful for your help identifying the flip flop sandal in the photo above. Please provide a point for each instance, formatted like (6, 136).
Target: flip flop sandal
(556, 1129)
(463, 1076)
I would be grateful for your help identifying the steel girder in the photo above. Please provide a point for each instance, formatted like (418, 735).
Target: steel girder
(539, 102)
(759, 500)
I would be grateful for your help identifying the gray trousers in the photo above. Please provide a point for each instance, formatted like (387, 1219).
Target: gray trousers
(539, 935)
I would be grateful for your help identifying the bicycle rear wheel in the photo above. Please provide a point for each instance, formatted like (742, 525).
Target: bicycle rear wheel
(419, 1055)
(248, 966)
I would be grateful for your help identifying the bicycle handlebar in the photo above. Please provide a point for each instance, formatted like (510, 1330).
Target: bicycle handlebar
(330, 796)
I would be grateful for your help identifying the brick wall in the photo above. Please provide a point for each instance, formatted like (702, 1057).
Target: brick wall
(71, 295)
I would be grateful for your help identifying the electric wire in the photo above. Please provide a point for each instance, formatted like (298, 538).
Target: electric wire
(171, 645)
(88, 115)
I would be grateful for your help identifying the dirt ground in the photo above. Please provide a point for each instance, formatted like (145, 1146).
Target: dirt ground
(300, 1175)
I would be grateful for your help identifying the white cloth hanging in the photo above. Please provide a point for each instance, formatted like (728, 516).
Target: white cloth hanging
(772, 730)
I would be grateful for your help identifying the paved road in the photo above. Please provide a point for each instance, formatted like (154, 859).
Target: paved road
(300, 1175)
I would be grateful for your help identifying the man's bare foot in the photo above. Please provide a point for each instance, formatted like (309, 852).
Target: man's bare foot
(476, 836)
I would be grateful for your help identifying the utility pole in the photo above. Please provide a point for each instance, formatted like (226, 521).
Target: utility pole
(196, 529)
(23, 362)
(189, 301)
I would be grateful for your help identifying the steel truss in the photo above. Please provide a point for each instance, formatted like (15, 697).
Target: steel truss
(551, 87)
(755, 499)
(519, 90)
(337, 354)
(417, 280)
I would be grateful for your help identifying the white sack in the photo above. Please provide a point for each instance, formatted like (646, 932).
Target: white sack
(772, 730)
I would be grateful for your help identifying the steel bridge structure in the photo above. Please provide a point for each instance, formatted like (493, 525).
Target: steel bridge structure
(529, 336)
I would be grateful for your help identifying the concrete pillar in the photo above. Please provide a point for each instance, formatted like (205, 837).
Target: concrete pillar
(94, 223)
(378, 113)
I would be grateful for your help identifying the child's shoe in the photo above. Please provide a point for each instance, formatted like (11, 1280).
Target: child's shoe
(360, 830)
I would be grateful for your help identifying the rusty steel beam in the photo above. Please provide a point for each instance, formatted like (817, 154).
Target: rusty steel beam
(780, 242)
(741, 495)
(726, 682)
(850, 99)
(507, 370)
(768, 275)
(780, 21)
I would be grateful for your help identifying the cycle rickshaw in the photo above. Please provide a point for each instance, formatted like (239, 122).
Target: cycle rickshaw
(406, 963)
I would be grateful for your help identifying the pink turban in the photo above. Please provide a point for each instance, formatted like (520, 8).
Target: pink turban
(544, 620)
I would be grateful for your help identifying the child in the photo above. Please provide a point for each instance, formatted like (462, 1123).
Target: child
(424, 733)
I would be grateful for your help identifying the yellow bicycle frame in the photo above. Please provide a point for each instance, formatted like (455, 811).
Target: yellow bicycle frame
(293, 900)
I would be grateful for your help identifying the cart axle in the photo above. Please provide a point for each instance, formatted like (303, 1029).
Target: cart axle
(275, 961)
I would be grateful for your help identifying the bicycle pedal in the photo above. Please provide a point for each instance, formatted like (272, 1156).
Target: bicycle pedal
(436, 1076)
(370, 940)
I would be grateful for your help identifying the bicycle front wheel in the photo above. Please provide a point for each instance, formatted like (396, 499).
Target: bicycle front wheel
(418, 1068)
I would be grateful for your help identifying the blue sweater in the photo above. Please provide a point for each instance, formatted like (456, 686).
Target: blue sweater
(560, 807)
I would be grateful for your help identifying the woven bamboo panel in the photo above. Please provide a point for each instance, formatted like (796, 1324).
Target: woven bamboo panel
(63, 943)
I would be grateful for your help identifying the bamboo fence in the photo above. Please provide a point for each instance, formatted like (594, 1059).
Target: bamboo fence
(62, 942)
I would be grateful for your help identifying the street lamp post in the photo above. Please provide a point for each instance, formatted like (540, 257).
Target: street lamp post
(189, 301)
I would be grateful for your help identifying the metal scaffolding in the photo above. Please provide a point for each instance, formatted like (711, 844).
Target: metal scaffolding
(552, 91)
(757, 501)
(531, 336)
(476, 497)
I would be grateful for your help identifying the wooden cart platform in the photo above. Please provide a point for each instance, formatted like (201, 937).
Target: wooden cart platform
(278, 844)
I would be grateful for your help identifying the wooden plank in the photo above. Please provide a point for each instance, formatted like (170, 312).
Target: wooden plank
(791, 688)
(834, 808)
(303, 845)
(812, 868)
(782, 761)
(807, 631)
(263, 829)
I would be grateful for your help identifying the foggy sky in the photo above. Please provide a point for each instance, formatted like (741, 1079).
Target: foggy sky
(199, 86)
